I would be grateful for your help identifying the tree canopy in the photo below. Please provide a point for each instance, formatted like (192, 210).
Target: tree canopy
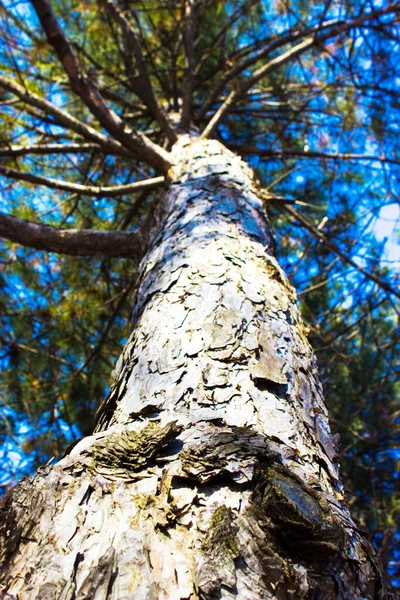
(93, 95)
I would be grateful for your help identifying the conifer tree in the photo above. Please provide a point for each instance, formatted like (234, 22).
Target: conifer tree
(161, 132)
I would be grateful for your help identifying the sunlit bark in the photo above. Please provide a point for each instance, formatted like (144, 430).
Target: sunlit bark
(213, 471)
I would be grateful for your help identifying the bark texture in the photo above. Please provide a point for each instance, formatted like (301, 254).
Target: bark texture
(212, 472)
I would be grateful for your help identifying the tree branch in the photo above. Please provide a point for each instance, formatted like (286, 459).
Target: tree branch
(219, 39)
(140, 145)
(236, 95)
(332, 247)
(42, 149)
(129, 288)
(237, 68)
(88, 190)
(188, 80)
(12, 342)
(139, 84)
(75, 242)
(310, 154)
(62, 117)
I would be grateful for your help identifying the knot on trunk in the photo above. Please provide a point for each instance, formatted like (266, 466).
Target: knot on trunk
(122, 452)
(301, 520)
(227, 451)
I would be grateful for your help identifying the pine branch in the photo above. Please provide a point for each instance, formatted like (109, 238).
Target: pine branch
(188, 81)
(239, 67)
(310, 154)
(332, 247)
(75, 242)
(140, 145)
(316, 40)
(236, 95)
(62, 117)
(133, 58)
(96, 350)
(26, 348)
(88, 190)
(43, 149)
(219, 38)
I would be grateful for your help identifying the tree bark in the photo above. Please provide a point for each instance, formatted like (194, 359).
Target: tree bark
(212, 472)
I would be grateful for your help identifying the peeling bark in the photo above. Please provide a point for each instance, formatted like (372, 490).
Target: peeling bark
(212, 472)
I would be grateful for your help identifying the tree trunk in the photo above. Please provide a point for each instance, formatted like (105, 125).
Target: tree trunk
(212, 472)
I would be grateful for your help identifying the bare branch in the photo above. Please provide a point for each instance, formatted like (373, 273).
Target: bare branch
(310, 154)
(140, 145)
(236, 95)
(140, 84)
(75, 242)
(62, 117)
(315, 40)
(284, 38)
(88, 190)
(42, 149)
(188, 81)
(332, 247)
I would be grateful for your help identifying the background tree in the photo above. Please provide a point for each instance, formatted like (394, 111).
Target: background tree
(305, 93)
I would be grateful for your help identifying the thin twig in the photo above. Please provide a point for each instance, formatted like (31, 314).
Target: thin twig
(311, 154)
(322, 237)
